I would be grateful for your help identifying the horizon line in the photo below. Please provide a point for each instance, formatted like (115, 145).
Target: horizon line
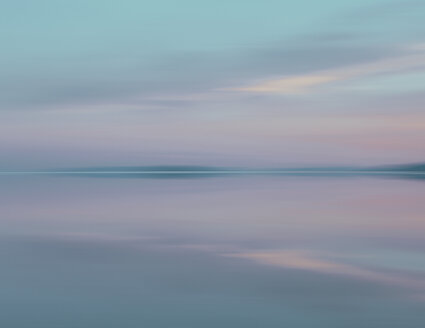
(216, 172)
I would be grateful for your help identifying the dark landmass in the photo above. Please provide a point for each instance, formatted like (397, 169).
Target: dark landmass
(411, 171)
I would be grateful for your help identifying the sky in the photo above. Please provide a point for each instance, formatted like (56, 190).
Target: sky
(243, 83)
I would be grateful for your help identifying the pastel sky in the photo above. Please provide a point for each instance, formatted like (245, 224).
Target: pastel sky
(253, 83)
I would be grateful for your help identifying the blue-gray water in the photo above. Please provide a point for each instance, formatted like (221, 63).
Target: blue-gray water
(224, 251)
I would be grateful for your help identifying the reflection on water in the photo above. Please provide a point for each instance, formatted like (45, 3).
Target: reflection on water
(251, 251)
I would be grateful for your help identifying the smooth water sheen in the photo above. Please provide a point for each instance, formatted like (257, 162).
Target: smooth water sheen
(225, 251)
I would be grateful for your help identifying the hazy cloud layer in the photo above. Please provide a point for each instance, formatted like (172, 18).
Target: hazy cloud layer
(226, 82)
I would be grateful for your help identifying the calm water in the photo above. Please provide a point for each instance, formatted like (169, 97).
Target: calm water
(212, 252)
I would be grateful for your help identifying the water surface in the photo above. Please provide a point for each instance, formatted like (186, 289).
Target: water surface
(224, 251)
